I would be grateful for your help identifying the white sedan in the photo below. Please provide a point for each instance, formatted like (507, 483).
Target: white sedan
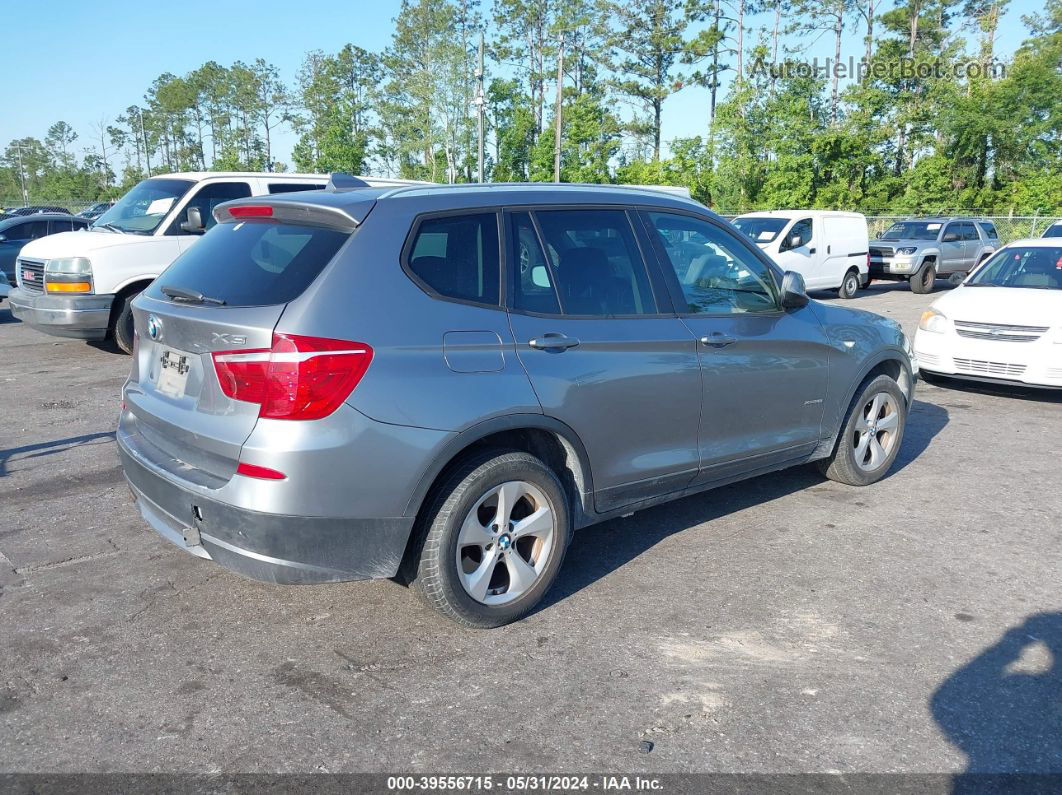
(1004, 323)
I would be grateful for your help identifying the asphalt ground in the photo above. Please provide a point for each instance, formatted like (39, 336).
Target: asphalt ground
(783, 624)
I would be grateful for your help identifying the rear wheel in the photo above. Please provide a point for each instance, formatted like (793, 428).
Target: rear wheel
(923, 281)
(494, 541)
(123, 322)
(870, 438)
(850, 285)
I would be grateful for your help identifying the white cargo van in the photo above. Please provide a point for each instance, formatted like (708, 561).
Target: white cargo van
(829, 249)
(80, 284)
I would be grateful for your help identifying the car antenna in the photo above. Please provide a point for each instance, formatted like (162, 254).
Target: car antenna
(338, 181)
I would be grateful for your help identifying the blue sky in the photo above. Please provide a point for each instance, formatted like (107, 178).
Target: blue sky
(80, 61)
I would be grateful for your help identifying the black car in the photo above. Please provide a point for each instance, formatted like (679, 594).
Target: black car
(16, 231)
(35, 209)
(96, 210)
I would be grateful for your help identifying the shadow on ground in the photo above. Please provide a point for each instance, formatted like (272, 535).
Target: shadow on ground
(600, 549)
(51, 448)
(1003, 709)
(1016, 391)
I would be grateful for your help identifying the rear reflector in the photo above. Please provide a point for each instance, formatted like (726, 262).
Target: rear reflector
(254, 211)
(299, 378)
(262, 473)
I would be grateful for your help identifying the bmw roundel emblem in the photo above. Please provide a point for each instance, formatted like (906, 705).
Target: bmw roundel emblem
(154, 327)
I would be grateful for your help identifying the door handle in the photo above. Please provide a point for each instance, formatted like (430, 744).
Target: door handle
(553, 341)
(717, 340)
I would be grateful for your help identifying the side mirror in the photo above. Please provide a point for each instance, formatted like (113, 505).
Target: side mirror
(950, 237)
(794, 293)
(194, 224)
(880, 234)
(3, 238)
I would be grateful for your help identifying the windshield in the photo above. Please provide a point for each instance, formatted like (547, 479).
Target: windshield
(142, 209)
(761, 229)
(1055, 230)
(1038, 267)
(913, 230)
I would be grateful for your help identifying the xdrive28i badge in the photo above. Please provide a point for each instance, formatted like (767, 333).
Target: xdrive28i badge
(154, 327)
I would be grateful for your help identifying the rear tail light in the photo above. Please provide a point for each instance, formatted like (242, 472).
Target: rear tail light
(299, 378)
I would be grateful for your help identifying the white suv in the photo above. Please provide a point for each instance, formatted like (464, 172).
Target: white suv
(81, 284)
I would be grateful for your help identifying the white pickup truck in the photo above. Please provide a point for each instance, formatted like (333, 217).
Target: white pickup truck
(80, 284)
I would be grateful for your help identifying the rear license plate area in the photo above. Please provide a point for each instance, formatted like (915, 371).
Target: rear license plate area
(173, 373)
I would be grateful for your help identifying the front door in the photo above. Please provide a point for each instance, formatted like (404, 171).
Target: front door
(952, 249)
(601, 355)
(800, 251)
(764, 369)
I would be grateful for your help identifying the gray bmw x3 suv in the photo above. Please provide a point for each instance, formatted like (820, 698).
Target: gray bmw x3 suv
(442, 383)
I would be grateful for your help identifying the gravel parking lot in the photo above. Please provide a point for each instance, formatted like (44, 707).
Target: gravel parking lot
(784, 624)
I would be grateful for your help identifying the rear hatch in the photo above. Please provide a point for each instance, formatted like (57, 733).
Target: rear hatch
(205, 335)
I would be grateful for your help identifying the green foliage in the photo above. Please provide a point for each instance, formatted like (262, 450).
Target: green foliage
(927, 139)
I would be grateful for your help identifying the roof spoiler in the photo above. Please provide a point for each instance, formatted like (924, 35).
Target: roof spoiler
(338, 181)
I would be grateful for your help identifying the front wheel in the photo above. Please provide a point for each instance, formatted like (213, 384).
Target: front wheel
(123, 323)
(850, 285)
(495, 539)
(923, 281)
(870, 438)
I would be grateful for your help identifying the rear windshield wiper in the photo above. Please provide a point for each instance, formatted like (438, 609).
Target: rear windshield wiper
(190, 296)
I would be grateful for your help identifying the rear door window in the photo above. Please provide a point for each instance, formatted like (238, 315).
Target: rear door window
(30, 231)
(294, 187)
(456, 256)
(533, 282)
(595, 262)
(969, 232)
(252, 263)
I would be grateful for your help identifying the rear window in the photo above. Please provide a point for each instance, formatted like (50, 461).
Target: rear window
(252, 263)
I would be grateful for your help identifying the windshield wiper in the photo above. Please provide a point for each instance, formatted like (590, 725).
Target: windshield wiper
(190, 296)
(111, 227)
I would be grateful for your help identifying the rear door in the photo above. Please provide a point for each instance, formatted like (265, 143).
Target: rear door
(764, 369)
(604, 352)
(182, 415)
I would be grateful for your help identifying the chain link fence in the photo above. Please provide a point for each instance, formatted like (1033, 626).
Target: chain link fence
(74, 206)
(1009, 227)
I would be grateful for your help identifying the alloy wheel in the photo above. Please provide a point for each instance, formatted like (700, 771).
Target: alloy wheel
(875, 431)
(505, 542)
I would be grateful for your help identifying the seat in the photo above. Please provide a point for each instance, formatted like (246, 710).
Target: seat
(588, 285)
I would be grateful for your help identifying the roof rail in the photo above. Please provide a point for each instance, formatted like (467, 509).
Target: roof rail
(338, 181)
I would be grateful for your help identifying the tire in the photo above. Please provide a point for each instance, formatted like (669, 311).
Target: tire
(122, 326)
(850, 285)
(955, 279)
(923, 281)
(856, 463)
(468, 564)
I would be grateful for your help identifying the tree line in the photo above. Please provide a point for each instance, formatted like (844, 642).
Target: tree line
(931, 120)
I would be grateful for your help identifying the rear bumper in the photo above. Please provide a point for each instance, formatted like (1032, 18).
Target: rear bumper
(268, 547)
(84, 317)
